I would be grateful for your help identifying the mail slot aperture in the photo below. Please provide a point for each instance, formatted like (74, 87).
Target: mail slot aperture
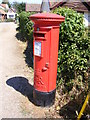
(39, 35)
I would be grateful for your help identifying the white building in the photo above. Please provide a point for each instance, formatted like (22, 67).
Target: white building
(4, 6)
(11, 14)
(87, 18)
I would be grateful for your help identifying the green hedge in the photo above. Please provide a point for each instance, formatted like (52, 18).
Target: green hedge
(26, 26)
(10, 20)
(74, 49)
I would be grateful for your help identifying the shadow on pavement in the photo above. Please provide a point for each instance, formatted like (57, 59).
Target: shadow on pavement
(21, 85)
(28, 51)
(19, 37)
(29, 54)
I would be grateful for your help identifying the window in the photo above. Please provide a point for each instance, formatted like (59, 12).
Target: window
(11, 16)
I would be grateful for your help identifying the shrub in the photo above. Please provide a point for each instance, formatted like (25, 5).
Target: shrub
(25, 25)
(9, 20)
(74, 49)
(29, 30)
(22, 23)
(26, 30)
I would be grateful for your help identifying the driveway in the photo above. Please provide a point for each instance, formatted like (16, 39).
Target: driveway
(16, 78)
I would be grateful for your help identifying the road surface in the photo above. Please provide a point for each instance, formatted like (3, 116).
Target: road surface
(16, 78)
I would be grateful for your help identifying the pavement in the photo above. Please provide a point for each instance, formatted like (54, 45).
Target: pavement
(16, 78)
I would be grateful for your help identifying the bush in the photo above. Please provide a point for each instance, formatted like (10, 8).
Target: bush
(74, 49)
(9, 20)
(26, 30)
(25, 25)
(22, 23)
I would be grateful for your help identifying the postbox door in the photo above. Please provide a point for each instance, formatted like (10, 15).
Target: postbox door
(41, 61)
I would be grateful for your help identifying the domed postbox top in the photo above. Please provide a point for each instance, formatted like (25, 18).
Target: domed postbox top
(49, 18)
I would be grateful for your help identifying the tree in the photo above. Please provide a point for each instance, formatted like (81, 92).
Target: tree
(19, 6)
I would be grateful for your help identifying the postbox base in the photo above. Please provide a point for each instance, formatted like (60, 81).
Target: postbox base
(44, 98)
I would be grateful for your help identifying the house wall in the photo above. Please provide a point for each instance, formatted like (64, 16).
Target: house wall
(11, 15)
(87, 18)
(7, 7)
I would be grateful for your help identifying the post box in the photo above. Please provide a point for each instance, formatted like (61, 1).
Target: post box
(45, 49)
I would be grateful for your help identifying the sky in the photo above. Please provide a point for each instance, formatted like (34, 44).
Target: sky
(27, 1)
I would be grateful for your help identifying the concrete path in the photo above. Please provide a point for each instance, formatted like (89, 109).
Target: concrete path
(16, 79)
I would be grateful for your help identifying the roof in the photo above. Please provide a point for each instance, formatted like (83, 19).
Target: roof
(2, 12)
(37, 7)
(77, 5)
(54, 3)
(3, 5)
(11, 10)
(33, 7)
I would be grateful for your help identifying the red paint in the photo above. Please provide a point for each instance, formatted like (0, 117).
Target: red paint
(46, 35)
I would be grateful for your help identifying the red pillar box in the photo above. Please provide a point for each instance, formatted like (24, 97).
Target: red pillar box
(46, 39)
